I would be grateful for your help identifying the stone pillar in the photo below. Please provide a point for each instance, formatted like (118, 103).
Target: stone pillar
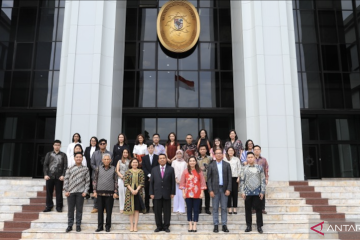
(91, 74)
(267, 108)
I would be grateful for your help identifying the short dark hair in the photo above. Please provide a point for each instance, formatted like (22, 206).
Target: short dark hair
(218, 149)
(103, 140)
(150, 144)
(189, 134)
(72, 140)
(257, 146)
(78, 153)
(156, 134)
(162, 155)
(248, 153)
(202, 146)
(57, 141)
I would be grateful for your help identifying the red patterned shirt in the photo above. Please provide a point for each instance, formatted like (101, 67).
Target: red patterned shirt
(192, 183)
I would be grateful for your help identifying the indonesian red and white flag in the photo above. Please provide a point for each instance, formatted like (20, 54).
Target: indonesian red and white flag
(184, 83)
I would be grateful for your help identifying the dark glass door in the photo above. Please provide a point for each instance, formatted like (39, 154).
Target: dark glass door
(312, 162)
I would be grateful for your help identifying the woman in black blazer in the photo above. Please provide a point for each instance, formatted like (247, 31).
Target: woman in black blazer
(94, 146)
(119, 148)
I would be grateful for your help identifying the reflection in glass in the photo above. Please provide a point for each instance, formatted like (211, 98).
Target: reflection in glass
(55, 87)
(346, 27)
(8, 18)
(130, 56)
(327, 26)
(148, 128)
(190, 62)
(352, 90)
(147, 24)
(333, 90)
(166, 89)
(208, 21)
(208, 89)
(309, 129)
(41, 89)
(44, 55)
(20, 89)
(23, 58)
(226, 56)
(147, 89)
(207, 3)
(309, 57)
(339, 128)
(311, 84)
(57, 56)
(5, 83)
(128, 89)
(60, 24)
(165, 62)
(47, 24)
(208, 53)
(349, 57)
(227, 89)
(165, 126)
(307, 32)
(26, 25)
(147, 56)
(131, 19)
(224, 25)
(187, 89)
(187, 126)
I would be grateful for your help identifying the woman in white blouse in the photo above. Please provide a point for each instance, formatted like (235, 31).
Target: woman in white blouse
(235, 165)
(139, 148)
(76, 139)
(71, 160)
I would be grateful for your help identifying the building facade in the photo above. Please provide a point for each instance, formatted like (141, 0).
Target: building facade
(282, 73)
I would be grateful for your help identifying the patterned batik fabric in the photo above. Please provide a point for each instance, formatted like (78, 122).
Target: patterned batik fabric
(132, 179)
(77, 179)
(252, 180)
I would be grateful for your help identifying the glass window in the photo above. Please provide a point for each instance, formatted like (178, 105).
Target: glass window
(5, 83)
(224, 25)
(23, 57)
(327, 27)
(187, 126)
(330, 57)
(226, 56)
(166, 126)
(187, 89)
(147, 55)
(346, 27)
(227, 89)
(18, 126)
(47, 24)
(41, 89)
(60, 24)
(189, 60)
(9, 18)
(166, 89)
(207, 3)
(27, 24)
(57, 57)
(352, 90)
(305, 4)
(208, 92)
(129, 89)
(307, 30)
(149, 128)
(45, 127)
(208, 56)
(312, 90)
(44, 55)
(333, 90)
(309, 129)
(130, 56)
(209, 25)
(131, 21)
(19, 96)
(147, 24)
(295, 16)
(166, 60)
(54, 90)
(340, 128)
(146, 89)
(349, 57)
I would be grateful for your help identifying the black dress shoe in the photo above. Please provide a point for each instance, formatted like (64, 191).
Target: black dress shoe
(99, 230)
(190, 230)
(194, 230)
(157, 230)
(248, 229)
(47, 210)
(225, 229)
(260, 230)
(59, 209)
(68, 229)
(167, 230)
(234, 212)
(107, 229)
(229, 212)
(87, 196)
(208, 211)
(78, 228)
(216, 228)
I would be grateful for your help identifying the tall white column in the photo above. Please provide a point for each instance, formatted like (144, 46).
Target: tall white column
(267, 108)
(91, 75)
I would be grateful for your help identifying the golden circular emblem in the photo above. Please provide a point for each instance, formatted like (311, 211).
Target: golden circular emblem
(178, 26)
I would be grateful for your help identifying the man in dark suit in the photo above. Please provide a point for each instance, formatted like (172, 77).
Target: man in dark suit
(219, 187)
(162, 190)
(148, 162)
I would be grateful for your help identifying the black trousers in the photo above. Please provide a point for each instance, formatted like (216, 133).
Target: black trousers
(253, 202)
(50, 185)
(233, 198)
(162, 206)
(147, 195)
(207, 200)
(105, 202)
(75, 201)
(263, 203)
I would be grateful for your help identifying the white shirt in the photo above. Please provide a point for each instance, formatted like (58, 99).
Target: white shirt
(71, 161)
(70, 149)
(140, 149)
(92, 150)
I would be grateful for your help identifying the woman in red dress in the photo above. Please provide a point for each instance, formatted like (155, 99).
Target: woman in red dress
(172, 145)
(192, 183)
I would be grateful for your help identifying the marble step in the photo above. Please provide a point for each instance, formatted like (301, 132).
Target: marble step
(206, 225)
(337, 189)
(21, 188)
(12, 201)
(340, 195)
(16, 194)
(336, 183)
(179, 235)
(49, 216)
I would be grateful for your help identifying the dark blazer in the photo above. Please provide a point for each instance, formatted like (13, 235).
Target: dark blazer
(162, 187)
(213, 177)
(146, 167)
(117, 153)
(87, 155)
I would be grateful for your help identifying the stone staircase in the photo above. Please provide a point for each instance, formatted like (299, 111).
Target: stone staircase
(293, 207)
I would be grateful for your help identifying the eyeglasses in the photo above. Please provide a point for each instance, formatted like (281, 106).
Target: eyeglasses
(219, 153)
(102, 143)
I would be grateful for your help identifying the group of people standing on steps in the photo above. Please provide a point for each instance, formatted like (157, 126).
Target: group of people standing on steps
(185, 174)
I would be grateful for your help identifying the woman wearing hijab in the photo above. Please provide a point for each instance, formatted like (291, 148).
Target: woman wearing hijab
(179, 166)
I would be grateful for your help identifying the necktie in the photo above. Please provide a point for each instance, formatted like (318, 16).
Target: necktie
(162, 172)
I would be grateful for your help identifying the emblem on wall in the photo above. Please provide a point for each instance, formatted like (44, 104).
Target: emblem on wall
(178, 25)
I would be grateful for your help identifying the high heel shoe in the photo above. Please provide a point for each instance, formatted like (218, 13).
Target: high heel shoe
(194, 230)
